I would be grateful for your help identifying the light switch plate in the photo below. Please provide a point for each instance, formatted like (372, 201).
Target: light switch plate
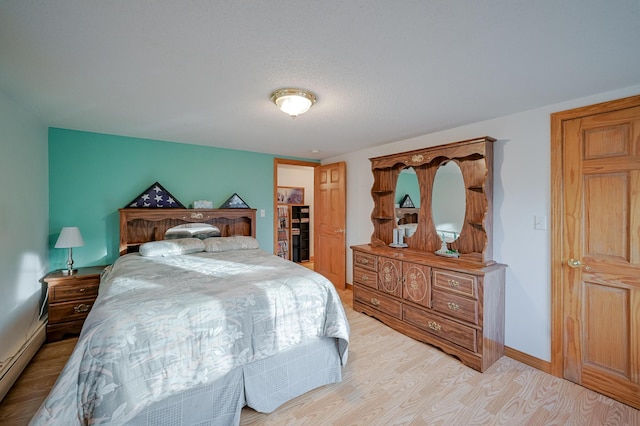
(540, 223)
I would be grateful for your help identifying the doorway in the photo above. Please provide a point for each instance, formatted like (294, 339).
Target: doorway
(328, 215)
(290, 175)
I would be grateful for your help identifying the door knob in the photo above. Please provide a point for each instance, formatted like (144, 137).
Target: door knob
(575, 263)
(339, 231)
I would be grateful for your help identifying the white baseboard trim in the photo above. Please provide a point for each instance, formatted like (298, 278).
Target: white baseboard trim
(14, 368)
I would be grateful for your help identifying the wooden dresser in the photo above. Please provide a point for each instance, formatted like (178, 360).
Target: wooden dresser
(449, 294)
(454, 305)
(71, 298)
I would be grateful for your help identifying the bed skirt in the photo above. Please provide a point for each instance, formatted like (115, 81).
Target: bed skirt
(263, 385)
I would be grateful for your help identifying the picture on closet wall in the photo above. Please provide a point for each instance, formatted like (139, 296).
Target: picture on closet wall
(290, 195)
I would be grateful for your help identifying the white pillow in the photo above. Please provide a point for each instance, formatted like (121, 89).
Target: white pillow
(195, 230)
(219, 244)
(172, 247)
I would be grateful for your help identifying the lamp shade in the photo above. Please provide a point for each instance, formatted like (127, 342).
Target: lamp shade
(69, 237)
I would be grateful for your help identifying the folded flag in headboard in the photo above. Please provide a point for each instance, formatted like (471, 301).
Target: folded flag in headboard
(234, 202)
(156, 197)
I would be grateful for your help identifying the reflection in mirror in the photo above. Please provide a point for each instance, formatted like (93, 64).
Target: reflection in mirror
(192, 230)
(408, 185)
(407, 218)
(449, 201)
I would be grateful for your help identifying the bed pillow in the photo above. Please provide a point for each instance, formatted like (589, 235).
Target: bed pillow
(195, 230)
(216, 245)
(172, 247)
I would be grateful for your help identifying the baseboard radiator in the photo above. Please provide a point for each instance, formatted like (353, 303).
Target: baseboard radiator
(10, 372)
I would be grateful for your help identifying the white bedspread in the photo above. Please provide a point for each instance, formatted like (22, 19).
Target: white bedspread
(161, 325)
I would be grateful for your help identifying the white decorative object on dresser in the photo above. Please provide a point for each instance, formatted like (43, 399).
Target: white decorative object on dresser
(443, 291)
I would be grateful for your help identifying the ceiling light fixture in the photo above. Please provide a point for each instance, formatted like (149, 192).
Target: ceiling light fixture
(293, 101)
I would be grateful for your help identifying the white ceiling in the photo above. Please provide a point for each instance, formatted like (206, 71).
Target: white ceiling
(201, 71)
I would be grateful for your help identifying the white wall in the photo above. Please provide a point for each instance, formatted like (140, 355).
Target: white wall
(300, 176)
(24, 224)
(522, 190)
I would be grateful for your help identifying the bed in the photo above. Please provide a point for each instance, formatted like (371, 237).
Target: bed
(189, 330)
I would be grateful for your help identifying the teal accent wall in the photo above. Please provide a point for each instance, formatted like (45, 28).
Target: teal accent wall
(93, 175)
(408, 184)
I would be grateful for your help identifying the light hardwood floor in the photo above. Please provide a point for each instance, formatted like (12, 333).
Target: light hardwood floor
(390, 379)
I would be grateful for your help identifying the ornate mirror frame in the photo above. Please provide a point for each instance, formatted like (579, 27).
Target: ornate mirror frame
(475, 159)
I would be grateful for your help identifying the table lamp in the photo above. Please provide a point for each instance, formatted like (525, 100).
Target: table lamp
(69, 237)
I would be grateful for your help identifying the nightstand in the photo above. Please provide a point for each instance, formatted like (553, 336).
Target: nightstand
(70, 300)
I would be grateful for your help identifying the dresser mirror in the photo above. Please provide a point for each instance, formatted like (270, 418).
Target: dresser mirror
(466, 217)
(408, 185)
(448, 201)
(407, 218)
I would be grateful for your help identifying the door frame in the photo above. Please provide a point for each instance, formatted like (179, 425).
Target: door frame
(557, 218)
(277, 162)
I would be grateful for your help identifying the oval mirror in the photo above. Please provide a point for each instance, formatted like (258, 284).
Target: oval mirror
(448, 202)
(407, 201)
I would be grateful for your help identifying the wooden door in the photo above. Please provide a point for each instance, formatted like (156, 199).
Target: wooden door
(330, 215)
(597, 260)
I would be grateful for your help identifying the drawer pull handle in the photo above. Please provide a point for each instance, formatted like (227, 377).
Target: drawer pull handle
(453, 306)
(364, 261)
(81, 308)
(453, 283)
(375, 302)
(434, 326)
(365, 278)
(81, 290)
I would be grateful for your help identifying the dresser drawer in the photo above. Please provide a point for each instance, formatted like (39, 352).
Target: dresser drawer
(455, 306)
(56, 332)
(381, 303)
(365, 260)
(67, 311)
(448, 330)
(65, 292)
(456, 282)
(365, 277)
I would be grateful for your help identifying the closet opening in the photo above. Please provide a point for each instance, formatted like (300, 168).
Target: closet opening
(293, 195)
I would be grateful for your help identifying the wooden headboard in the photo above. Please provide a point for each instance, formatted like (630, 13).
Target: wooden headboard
(140, 225)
